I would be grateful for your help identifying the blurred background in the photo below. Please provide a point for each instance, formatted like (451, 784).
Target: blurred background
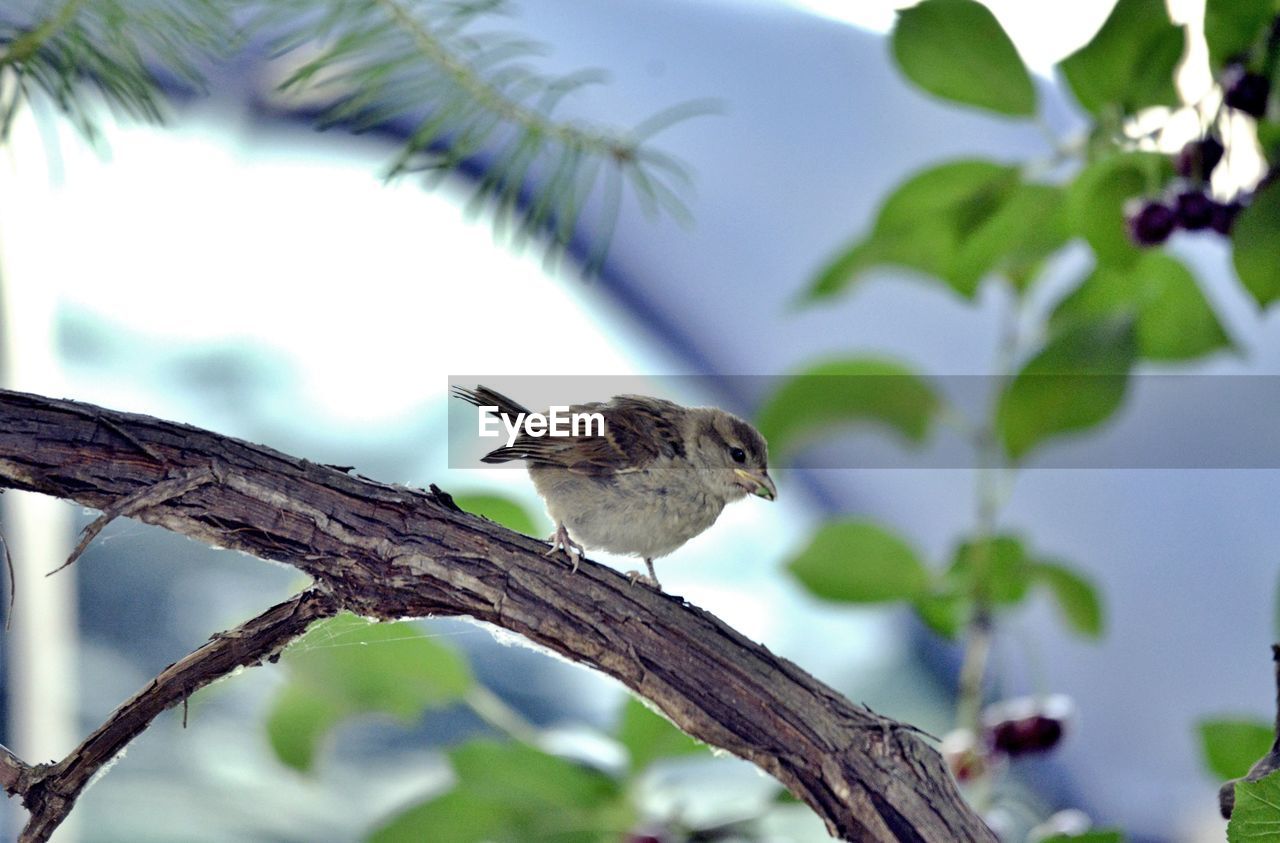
(239, 271)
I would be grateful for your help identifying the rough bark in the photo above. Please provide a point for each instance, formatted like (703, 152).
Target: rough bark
(392, 552)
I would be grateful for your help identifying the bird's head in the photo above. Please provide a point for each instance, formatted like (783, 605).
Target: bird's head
(731, 455)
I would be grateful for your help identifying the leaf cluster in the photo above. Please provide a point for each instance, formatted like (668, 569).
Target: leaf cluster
(502, 790)
(856, 561)
(960, 223)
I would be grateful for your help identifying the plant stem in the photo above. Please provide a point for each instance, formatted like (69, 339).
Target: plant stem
(493, 710)
(991, 494)
(973, 670)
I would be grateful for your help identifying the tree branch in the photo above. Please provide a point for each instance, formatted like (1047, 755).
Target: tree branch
(49, 791)
(391, 552)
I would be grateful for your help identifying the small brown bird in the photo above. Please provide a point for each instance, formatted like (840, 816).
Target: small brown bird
(657, 475)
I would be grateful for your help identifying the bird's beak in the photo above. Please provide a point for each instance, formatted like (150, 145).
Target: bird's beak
(756, 482)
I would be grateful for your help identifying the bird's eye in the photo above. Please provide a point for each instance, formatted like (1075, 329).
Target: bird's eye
(738, 454)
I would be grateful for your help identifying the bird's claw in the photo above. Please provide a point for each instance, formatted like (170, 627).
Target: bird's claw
(644, 579)
(560, 541)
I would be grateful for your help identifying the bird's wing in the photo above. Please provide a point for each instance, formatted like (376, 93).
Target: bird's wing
(637, 432)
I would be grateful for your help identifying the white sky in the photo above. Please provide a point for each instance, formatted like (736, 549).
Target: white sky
(195, 233)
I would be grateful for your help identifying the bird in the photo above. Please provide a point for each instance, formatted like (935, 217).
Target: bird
(656, 475)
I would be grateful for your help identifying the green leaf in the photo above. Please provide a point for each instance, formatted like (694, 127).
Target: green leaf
(1095, 203)
(842, 392)
(521, 774)
(512, 793)
(1257, 812)
(391, 667)
(501, 509)
(925, 225)
(1076, 597)
(1099, 836)
(1130, 63)
(347, 665)
(648, 736)
(1174, 319)
(945, 612)
(956, 49)
(1269, 137)
(298, 720)
(998, 567)
(459, 816)
(1253, 241)
(1232, 745)
(859, 562)
(1076, 382)
(1234, 27)
(1029, 226)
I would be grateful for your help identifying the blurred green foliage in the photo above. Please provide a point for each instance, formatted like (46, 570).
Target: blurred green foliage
(501, 509)
(1231, 745)
(957, 50)
(348, 665)
(1100, 836)
(1257, 260)
(1060, 372)
(515, 793)
(859, 561)
(1076, 381)
(848, 392)
(1129, 64)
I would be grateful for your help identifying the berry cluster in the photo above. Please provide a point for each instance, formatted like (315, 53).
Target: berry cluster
(1191, 208)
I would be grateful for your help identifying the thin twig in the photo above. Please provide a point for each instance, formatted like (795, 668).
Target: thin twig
(144, 498)
(13, 582)
(51, 793)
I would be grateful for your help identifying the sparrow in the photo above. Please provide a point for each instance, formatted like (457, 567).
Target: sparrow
(656, 476)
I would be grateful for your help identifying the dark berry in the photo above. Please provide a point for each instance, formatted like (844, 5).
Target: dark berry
(1026, 724)
(1152, 224)
(1246, 91)
(1198, 158)
(1194, 210)
(1030, 734)
(1224, 216)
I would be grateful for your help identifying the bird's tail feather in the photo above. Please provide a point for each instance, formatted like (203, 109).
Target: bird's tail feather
(483, 396)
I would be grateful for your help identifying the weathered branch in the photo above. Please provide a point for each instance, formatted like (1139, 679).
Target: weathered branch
(49, 791)
(390, 552)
